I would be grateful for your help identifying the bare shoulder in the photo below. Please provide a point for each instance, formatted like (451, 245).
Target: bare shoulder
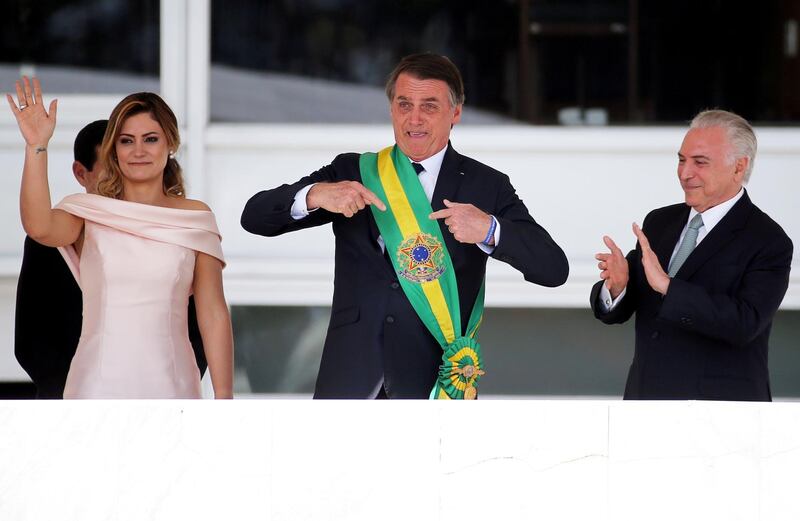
(190, 204)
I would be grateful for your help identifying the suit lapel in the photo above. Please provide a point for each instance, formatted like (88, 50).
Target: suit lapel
(447, 184)
(672, 232)
(724, 232)
(449, 179)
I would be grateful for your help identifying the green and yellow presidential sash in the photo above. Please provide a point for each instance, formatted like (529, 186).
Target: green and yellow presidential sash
(424, 268)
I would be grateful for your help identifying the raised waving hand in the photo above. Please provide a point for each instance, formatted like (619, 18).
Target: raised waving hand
(35, 123)
(42, 223)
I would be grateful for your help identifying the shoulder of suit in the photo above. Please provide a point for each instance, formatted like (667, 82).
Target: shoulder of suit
(767, 226)
(666, 212)
(347, 157)
(470, 166)
(346, 165)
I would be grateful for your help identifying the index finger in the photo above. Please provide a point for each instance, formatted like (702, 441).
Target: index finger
(371, 198)
(641, 236)
(440, 214)
(20, 94)
(612, 245)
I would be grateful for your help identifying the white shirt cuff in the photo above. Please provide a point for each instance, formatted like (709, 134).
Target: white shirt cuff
(606, 301)
(299, 207)
(485, 247)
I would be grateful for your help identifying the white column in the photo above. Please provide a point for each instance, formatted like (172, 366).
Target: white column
(198, 61)
(172, 45)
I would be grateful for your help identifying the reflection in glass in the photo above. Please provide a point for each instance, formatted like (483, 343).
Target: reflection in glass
(579, 62)
(82, 46)
(326, 60)
(528, 352)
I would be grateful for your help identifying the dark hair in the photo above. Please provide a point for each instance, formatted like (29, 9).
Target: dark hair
(429, 66)
(110, 182)
(87, 141)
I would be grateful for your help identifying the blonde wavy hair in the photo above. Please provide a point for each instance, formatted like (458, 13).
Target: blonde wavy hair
(109, 182)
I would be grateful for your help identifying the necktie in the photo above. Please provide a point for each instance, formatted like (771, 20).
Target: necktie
(688, 244)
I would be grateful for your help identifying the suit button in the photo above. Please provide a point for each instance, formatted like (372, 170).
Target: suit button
(686, 321)
(390, 319)
(394, 285)
(654, 335)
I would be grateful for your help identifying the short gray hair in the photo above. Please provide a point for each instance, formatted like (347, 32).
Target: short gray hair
(740, 133)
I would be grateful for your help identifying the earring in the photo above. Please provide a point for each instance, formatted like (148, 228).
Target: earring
(172, 154)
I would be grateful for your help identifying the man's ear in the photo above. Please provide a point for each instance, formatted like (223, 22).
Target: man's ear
(741, 167)
(79, 171)
(457, 114)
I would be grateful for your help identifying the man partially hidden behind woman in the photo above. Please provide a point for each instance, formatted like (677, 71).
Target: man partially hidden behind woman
(138, 249)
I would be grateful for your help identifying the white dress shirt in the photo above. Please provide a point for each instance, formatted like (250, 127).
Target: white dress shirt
(711, 218)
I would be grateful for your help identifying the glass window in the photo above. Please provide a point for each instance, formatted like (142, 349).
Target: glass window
(82, 46)
(528, 352)
(537, 61)
(326, 60)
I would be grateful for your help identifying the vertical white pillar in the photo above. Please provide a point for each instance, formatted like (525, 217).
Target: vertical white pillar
(198, 63)
(173, 56)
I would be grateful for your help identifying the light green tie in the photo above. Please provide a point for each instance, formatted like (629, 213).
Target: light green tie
(688, 244)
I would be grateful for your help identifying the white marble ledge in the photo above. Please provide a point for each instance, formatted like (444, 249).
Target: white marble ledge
(498, 459)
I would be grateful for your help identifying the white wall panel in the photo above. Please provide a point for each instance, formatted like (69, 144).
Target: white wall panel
(578, 183)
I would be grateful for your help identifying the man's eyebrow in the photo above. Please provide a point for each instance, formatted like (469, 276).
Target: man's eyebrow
(430, 98)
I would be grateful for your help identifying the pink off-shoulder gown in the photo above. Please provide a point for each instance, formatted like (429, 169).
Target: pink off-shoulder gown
(135, 270)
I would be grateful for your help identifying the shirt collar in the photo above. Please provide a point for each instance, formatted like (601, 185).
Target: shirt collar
(433, 164)
(714, 215)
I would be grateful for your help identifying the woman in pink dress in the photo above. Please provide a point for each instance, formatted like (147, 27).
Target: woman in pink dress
(138, 250)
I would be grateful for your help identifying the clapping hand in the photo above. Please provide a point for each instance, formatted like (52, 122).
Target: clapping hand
(656, 276)
(35, 124)
(613, 268)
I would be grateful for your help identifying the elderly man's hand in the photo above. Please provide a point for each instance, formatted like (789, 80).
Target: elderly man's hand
(656, 276)
(344, 197)
(467, 223)
(613, 268)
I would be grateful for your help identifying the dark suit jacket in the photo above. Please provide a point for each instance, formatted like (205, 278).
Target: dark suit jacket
(707, 338)
(48, 320)
(374, 332)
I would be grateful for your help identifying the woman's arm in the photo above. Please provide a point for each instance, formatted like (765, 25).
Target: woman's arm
(215, 323)
(42, 223)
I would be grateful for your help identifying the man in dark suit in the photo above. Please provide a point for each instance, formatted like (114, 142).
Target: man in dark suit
(377, 345)
(49, 305)
(705, 279)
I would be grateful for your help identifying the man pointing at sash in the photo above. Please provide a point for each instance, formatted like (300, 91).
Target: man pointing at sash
(415, 224)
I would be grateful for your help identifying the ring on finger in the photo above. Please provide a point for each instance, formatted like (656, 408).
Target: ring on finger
(23, 107)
